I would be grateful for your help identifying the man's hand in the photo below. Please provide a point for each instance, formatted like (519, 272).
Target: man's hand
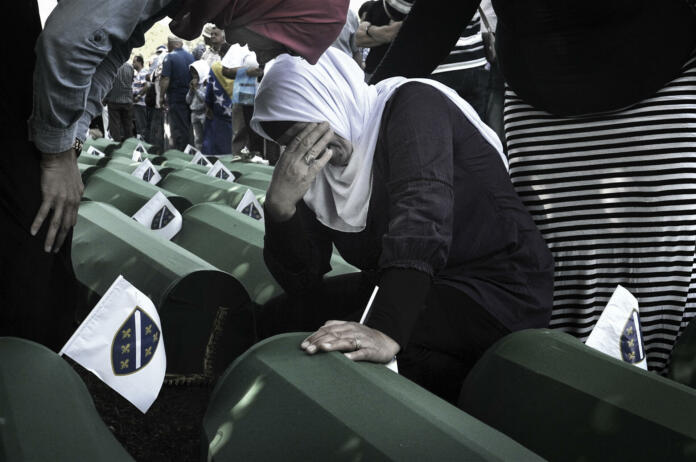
(378, 35)
(303, 159)
(61, 190)
(361, 343)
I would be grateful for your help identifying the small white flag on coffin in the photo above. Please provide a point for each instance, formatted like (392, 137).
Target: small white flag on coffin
(121, 342)
(138, 152)
(159, 215)
(191, 149)
(220, 171)
(92, 151)
(250, 206)
(617, 332)
(146, 171)
(139, 137)
(200, 159)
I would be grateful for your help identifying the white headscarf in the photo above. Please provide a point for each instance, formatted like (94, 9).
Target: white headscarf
(334, 90)
(202, 68)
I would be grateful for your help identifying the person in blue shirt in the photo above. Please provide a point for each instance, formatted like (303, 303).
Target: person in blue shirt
(175, 81)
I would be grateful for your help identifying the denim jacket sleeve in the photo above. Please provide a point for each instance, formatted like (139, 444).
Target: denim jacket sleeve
(83, 44)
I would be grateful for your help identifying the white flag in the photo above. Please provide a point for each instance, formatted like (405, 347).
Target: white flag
(617, 332)
(200, 159)
(250, 206)
(191, 149)
(146, 171)
(121, 342)
(137, 156)
(220, 171)
(159, 215)
(95, 152)
(140, 148)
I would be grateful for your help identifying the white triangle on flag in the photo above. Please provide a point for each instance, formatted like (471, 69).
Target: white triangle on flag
(250, 206)
(159, 216)
(220, 171)
(95, 152)
(121, 342)
(191, 149)
(618, 332)
(200, 159)
(147, 172)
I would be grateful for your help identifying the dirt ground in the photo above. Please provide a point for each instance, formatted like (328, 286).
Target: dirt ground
(170, 431)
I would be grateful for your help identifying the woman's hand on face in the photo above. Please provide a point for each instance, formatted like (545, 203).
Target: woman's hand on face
(361, 343)
(304, 157)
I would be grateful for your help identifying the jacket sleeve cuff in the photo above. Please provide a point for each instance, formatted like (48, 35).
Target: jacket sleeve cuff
(49, 139)
(284, 240)
(401, 297)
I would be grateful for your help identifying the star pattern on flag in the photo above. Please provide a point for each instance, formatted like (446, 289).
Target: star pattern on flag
(219, 100)
(228, 111)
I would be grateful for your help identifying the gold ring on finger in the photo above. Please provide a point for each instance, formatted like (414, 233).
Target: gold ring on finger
(357, 343)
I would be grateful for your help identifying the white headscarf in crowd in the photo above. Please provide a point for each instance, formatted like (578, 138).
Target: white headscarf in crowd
(334, 90)
(203, 70)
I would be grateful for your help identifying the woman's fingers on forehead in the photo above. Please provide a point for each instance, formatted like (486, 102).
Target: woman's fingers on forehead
(308, 136)
(294, 129)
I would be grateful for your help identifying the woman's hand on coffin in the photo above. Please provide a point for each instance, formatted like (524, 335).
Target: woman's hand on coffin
(361, 343)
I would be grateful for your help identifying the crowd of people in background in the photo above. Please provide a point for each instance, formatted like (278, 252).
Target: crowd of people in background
(202, 96)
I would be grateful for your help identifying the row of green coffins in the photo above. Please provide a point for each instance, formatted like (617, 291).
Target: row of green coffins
(535, 394)
(253, 175)
(231, 241)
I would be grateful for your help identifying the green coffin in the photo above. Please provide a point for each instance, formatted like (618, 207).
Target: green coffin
(127, 152)
(566, 401)
(682, 364)
(248, 167)
(122, 164)
(86, 170)
(233, 242)
(256, 180)
(176, 154)
(92, 160)
(46, 412)
(103, 144)
(198, 187)
(132, 142)
(186, 290)
(179, 164)
(277, 403)
(126, 192)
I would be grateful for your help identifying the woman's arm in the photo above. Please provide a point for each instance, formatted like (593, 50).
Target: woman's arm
(297, 251)
(297, 248)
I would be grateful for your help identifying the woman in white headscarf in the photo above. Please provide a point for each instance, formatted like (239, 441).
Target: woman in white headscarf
(410, 187)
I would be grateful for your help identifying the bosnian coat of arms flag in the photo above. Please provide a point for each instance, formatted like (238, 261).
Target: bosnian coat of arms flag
(160, 216)
(135, 343)
(121, 342)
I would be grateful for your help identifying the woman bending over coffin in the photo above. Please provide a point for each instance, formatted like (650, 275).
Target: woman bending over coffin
(411, 188)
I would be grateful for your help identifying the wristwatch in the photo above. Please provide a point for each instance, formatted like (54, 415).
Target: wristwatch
(77, 146)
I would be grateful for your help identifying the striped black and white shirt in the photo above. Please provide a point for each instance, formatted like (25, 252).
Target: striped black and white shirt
(468, 52)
